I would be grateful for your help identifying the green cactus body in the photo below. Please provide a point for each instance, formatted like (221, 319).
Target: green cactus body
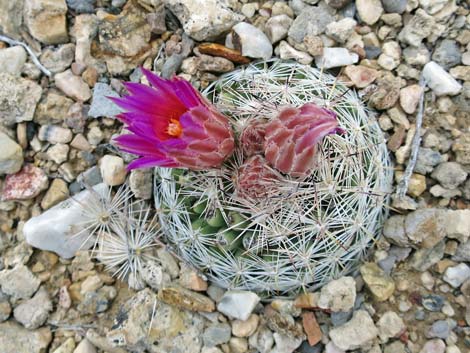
(304, 232)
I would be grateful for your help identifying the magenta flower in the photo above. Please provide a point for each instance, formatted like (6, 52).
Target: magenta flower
(172, 125)
(291, 139)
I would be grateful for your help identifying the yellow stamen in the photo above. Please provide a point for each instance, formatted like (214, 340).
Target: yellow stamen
(174, 128)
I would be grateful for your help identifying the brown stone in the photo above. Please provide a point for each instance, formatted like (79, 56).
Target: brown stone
(215, 49)
(184, 298)
(360, 75)
(396, 140)
(311, 328)
(306, 301)
(282, 323)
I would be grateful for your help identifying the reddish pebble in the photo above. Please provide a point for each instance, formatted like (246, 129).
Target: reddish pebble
(24, 185)
(311, 328)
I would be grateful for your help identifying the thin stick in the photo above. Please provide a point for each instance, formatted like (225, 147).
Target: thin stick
(402, 187)
(34, 58)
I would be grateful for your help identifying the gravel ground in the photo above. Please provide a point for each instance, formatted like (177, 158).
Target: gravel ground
(59, 60)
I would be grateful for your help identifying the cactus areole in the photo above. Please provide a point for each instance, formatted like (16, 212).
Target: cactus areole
(278, 184)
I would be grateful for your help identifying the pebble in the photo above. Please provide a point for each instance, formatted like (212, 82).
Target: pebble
(25, 184)
(439, 80)
(85, 346)
(380, 285)
(418, 27)
(331, 348)
(186, 299)
(338, 295)
(394, 6)
(34, 312)
(439, 329)
(285, 343)
(113, 170)
(286, 52)
(67, 347)
(19, 282)
(432, 302)
(447, 54)
(58, 191)
(450, 174)
(390, 57)
(277, 27)
(17, 92)
(216, 334)
(54, 134)
(238, 304)
(16, 338)
(458, 225)
(58, 153)
(12, 60)
(140, 182)
(427, 160)
(387, 93)
(335, 57)
(409, 98)
(203, 20)
(245, 328)
(11, 158)
(73, 86)
(81, 6)
(356, 333)
(361, 76)
(311, 21)
(434, 346)
(341, 30)
(101, 105)
(390, 325)
(416, 185)
(46, 20)
(52, 109)
(44, 232)
(369, 10)
(456, 275)
(425, 227)
(214, 64)
(251, 41)
(311, 328)
(58, 60)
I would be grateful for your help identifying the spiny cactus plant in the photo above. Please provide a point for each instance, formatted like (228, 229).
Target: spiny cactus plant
(253, 225)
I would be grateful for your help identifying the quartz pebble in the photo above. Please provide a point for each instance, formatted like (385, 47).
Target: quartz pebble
(342, 30)
(456, 275)
(286, 52)
(238, 304)
(440, 81)
(338, 295)
(56, 229)
(277, 27)
(335, 57)
(113, 170)
(101, 105)
(251, 42)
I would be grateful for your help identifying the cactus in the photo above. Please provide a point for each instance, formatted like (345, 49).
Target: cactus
(278, 233)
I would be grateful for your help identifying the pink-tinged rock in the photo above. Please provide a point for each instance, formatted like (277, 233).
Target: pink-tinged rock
(24, 185)
(361, 76)
(409, 98)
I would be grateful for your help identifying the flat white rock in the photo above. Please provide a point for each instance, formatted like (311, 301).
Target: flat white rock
(55, 229)
(335, 57)
(439, 80)
(252, 41)
(238, 304)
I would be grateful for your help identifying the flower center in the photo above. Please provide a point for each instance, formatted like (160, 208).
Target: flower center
(174, 128)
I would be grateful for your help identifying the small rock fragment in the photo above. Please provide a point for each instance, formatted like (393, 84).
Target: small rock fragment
(238, 304)
(390, 325)
(380, 285)
(440, 81)
(277, 27)
(101, 105)
(19, 282)
(46, 20)
(186, 299)
(449, 174)
(409, 98)
(338, 295)
(25, 184)
(251, 42)
(456, 275)
(369, 10)
(12, 60)
(11, 158)
(335, 57)
(112, 170)
(34, 312)
(361, 76)
(357, 332)
(73, 86)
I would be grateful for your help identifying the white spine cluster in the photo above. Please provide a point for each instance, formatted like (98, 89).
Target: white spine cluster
(316, 229)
